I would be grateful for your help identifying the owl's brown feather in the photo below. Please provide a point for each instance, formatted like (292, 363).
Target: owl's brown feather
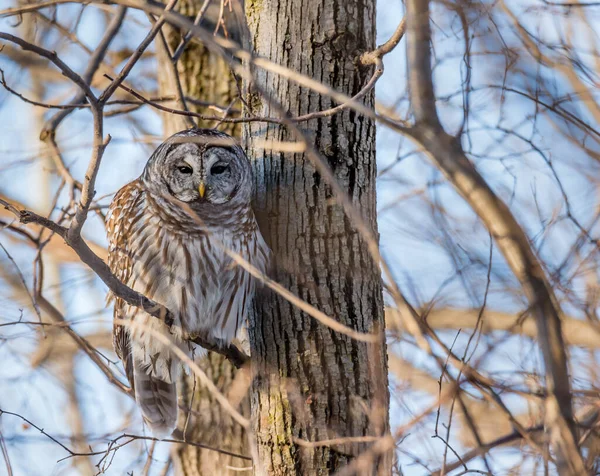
(118, 226)
(174, 252)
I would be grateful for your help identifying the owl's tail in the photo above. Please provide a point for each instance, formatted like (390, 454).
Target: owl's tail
(158, 401)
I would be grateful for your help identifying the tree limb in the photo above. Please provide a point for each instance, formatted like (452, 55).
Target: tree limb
(446, 152)
(575, 331)
(87, 256)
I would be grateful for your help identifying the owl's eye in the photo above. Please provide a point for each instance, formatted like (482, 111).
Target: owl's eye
(184, 169)
(218, 169)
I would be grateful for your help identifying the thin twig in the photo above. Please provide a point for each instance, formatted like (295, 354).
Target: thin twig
(112, 446)
(34, 304)
(7, 462)
(189, 35)
(447, 153)
(108, 92)
(53, 57)
(94, 63)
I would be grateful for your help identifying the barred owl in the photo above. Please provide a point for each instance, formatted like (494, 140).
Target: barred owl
(168, 231)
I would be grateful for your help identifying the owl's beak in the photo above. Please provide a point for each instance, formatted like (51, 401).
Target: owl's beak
(201, 189)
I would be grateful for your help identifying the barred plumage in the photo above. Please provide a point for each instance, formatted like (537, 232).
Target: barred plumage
(168, 232)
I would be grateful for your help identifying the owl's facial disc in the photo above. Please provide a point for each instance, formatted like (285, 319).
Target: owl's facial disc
(211, 175)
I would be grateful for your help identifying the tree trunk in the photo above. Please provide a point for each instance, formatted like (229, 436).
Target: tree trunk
(206, 78)
(311, 382)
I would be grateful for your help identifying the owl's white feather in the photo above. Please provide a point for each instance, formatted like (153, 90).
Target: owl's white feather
(178, 254)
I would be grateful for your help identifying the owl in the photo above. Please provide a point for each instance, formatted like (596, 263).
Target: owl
(169, 232)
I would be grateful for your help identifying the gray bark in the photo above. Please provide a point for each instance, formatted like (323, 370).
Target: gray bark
(311, 382)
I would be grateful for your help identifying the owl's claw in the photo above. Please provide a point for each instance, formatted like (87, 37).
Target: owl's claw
(235, 355)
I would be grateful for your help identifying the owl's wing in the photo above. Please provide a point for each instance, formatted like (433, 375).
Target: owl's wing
(123, 212)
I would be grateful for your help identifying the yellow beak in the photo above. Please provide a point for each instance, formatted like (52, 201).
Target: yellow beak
(201, 189)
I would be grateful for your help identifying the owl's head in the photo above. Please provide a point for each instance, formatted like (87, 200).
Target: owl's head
(200, 165)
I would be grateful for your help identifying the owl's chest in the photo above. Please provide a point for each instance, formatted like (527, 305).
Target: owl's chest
(191, 275)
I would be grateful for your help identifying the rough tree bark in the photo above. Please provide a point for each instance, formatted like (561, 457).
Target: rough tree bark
(310, 382)
(207, 78)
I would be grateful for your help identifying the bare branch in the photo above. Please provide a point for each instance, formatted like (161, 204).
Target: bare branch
(575, 331)
(120, 290)
(480, 450)
(108, 92)
(93, 64)
(447, 154)
(372, 56)
(114, 445)
(53, 57)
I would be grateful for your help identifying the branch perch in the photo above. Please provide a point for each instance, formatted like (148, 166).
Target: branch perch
(87, 256)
